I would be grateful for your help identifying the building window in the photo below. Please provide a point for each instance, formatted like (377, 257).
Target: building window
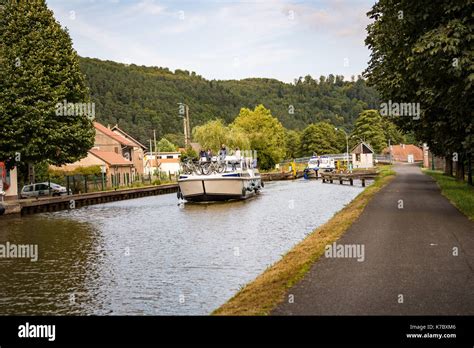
(358, 157)
(116, 149)
(169, 156)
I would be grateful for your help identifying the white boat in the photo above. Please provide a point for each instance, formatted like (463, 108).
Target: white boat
(233, 179)
(321, 164)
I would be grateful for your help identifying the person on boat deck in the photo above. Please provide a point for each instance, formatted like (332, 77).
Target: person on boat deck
(208, 154)
(237, 158)
(222, 152)
(202, 155)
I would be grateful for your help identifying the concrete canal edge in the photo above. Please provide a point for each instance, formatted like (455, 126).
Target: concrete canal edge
(50, 204)
(264, 293)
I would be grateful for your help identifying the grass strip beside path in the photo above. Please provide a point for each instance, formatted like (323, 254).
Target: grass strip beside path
(264, 293)
(459, 193)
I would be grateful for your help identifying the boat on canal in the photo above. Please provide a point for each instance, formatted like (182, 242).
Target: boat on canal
(318, 165)
(219, 179)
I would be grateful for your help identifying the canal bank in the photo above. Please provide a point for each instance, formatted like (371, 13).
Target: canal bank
(56, 203)
(262, 295)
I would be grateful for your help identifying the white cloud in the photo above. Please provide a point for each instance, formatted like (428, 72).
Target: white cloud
(223, 39)
(182, 23)
(148, 7)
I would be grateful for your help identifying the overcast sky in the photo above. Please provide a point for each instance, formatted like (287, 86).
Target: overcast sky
(223, 39)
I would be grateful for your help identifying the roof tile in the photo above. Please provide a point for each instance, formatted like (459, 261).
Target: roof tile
(122, 140)
(111, 158)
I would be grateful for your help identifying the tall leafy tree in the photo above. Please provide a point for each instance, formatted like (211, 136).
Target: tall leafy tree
(423, 52)
(265, 132)
(214, 133)
(211, 135)
(165, 145)
(393, 133)
(369, 128)
(38, 70)
(293, 144)
(320, 138)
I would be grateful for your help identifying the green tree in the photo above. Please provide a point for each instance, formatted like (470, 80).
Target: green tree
(369, 128)
(320, 138)
(211, 135)
(38, 70)
(265, 132)
(237, 138)
(393, 133)
(214, 133)
(188, 154)
(293, 144)
(423, 52)
(140, 98)
(164, 145)
(175, 138)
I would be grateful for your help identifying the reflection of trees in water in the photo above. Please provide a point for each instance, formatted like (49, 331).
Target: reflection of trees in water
(60, 281)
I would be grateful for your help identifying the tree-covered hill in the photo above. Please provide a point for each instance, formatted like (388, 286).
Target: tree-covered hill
(141, 98)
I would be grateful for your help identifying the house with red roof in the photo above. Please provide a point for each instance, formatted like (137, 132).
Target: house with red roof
(116, 152)
(136, 153)
(404, 153)
(118, 141)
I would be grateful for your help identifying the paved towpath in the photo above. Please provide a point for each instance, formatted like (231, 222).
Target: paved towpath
(410, 264)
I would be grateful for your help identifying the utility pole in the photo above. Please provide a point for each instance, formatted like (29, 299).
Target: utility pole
(157, 151)
(188, 128)
(151, 152)
(347, 145)
(185, 132)
(184, 113)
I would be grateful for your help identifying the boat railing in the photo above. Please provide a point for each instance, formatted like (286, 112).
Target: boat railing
(204, 166)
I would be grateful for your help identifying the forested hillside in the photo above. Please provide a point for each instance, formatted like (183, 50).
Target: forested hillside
(141, 99)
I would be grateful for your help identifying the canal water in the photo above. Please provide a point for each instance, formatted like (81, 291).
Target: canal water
(151, 256)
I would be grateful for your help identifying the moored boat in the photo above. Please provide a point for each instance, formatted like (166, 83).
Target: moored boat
(219, 180)
(318, 165)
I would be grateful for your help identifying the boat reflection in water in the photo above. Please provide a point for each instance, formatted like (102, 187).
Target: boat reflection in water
(219, 179)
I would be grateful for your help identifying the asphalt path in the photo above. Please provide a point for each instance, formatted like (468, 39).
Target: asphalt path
(418, 258)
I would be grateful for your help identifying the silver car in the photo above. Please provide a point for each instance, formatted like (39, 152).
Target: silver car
(42, 189)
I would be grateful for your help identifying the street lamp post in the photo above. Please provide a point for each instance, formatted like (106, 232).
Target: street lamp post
(347, 145)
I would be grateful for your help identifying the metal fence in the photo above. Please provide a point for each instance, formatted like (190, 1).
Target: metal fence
(338, 157)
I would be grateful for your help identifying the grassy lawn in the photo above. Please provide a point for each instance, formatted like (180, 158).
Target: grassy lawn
(264, 293)
(459, 193)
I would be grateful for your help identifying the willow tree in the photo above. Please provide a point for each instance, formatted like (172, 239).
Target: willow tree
(265, 132)
(39, 69)
(213, 134)
(423, 52)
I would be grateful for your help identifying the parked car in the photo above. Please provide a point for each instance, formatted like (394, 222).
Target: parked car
(42, 189)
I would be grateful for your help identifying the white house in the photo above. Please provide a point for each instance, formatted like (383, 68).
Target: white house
(167, 162)
(362, 156)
